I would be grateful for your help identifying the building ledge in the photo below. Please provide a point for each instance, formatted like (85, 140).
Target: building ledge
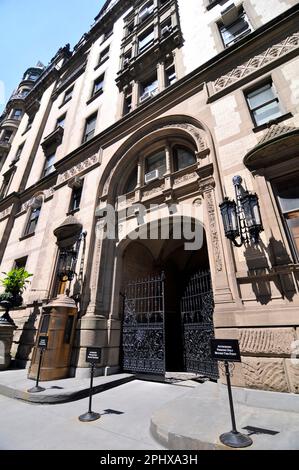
(55, 138)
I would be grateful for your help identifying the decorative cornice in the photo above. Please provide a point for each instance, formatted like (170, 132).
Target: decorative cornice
(275, 131)
(79, 168)
(289, 44)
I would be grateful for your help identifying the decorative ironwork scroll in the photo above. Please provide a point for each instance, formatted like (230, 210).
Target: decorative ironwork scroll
(197, 307)
(143, 326)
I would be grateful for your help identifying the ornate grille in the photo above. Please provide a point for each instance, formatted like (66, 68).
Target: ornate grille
(143, 326)
(197, 307)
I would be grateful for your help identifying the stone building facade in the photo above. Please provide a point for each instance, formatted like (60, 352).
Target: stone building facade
(155, 110)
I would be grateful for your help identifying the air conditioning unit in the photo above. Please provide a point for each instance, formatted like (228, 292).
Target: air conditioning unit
(151, 176)
(147, 95)
(165, 31)
(230, 14)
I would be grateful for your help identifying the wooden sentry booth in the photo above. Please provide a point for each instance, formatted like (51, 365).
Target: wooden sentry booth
(58, 322)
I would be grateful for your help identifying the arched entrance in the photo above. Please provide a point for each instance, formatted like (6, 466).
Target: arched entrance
(167, 309)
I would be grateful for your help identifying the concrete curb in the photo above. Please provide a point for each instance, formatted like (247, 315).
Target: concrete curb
(195, 420)
(63, 396)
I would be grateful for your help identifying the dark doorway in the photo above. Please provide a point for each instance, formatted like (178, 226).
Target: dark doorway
(158, 334)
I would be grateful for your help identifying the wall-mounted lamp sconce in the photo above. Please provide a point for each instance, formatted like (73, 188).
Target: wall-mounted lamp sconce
(241, 218)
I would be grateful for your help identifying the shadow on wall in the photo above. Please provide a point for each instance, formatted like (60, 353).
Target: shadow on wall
(27, 339)
(263, 262)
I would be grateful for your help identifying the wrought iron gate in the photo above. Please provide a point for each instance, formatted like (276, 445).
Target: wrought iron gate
(197, 306)
(143, 326)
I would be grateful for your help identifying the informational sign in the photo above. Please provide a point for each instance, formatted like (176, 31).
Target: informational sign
(43, 342)
(93, 355)
(225, 350)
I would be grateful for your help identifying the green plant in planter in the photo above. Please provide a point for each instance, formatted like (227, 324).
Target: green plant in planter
(14, 283)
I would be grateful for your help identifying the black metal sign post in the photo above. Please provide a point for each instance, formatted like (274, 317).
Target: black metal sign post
(42, 346)
(228, 350)
(93, 357)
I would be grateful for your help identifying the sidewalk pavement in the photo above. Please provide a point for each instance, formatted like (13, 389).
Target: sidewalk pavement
(15, 384)
(195, 420)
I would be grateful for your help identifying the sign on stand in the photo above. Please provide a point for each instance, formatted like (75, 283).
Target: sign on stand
(93, 357)
(42, 344)
(228, 350)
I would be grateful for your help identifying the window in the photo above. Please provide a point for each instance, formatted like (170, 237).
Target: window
(30, 122)
(108, 33)
(32, 221)
(149, 88)
(146, 11)
(263, 104)
(68, 94)
(156, 162)
(132, 182)
(90, 128)
(17, 114)
(104, 55)
(49, 166)
(129, 28)
(19, 153)
(60, 121)
(7, 136)
(128, 102)
(183, 158)
(32, 76)
(146, 39)
(287, 191)
(127, 58)
(235, 30)
(76, 199)
(170, 75)
(5, 184)
(20, 263)
(98, 86)
(166, 28)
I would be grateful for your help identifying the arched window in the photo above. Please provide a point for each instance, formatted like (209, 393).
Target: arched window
(183, 158)
(132, 182)
(157, 161)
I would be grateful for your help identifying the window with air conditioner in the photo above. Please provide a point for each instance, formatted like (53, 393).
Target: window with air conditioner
(149, 89)
(155, 166)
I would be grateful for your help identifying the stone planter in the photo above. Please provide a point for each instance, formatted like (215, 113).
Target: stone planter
(6, 338)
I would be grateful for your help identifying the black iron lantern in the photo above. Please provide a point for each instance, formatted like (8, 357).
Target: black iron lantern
(230, 219)
(242, 218)
(66, 264)
(251, 208)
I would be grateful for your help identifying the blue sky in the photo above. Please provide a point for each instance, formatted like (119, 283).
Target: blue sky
(33, 30)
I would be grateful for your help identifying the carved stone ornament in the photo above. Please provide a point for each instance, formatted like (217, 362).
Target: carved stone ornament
(213, 229)
(271, 54)
(79, 168)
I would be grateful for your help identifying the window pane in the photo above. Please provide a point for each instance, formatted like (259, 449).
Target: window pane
(267, 112)
(288, 194)
(156, 162)
(184, 158)
(145, 40)
(261, 95)
(231, 32)
(132, 182)
(293, 224)
(150, 87)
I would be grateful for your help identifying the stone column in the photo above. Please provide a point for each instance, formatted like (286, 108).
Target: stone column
(161, 76)
(92, 330)
(222, 292)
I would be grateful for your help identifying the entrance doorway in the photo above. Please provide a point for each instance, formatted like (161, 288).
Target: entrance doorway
(168, 309)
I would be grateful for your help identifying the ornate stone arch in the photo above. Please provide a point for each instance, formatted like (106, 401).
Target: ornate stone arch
(182, 125)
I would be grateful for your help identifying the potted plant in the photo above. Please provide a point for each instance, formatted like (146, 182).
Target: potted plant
(14, 284)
